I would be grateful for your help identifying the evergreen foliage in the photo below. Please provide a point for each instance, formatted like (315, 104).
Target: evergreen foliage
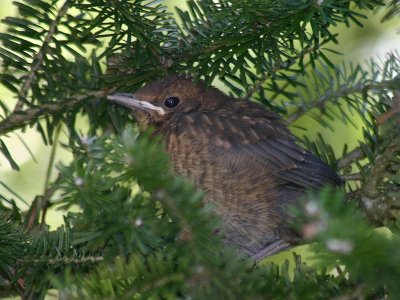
(140, 232)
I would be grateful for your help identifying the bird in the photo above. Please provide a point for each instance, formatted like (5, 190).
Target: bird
(241, 154)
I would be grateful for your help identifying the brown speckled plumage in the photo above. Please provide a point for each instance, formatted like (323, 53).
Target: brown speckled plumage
(240, 154)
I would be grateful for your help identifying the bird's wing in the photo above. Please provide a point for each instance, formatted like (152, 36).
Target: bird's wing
(232, 137)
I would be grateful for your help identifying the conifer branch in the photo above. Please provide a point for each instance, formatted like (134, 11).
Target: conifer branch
(352, 177)
(282, 66)
(131, 207)
(62, 260)
(159, 282)
(350, 157)
(38, 58)
(19, 119)
(375, 201)
(333, 96)
(267, 75)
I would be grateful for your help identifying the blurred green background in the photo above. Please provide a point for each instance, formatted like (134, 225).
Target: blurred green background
(357, 44)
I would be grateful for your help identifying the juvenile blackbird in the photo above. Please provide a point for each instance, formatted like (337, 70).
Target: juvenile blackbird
(239, 153)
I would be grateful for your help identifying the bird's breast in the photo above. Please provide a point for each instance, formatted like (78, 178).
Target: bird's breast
(242, 191)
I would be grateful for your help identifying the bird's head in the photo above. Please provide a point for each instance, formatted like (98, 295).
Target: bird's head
(159, 101)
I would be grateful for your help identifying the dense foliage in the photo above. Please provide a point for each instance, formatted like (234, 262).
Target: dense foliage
(140, 232)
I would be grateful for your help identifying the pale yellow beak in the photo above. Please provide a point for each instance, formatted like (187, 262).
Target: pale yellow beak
(132, 102)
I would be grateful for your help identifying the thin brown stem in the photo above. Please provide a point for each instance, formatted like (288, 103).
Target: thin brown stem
(154, 285)
(352, 177)
(342, 91)
(377, 203)
(49, 190)
(46, 203)
(395, 110)
(350, 157)
(38, 58)
(21, 118)
(62, 260)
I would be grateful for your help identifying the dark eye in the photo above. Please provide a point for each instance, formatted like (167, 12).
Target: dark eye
(171, 102)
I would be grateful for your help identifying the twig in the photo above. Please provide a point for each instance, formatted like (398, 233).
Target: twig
(357, 154)
(352, 177)
(48, 190)
(392, 112)
(134, 289)
(21, 118)
(350, 157)
(38, 58)
(375, 202)
(342, 91)
(45, 202)
(62, 260)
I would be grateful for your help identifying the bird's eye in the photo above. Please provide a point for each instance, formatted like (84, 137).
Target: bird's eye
(171, 102)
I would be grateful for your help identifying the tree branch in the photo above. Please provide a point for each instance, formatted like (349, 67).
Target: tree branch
(38, 58)
(62, 260)
(378, 203)
(342, 91)
(19, 119)
(350, 157)
(159, 282)
(352, 177)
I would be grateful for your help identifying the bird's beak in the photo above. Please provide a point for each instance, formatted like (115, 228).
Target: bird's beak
(132, 102)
